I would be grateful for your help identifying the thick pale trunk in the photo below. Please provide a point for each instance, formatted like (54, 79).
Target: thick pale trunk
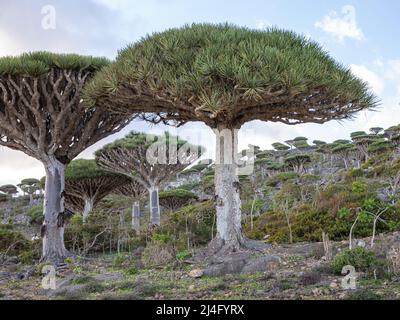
(228, 203)
(88, 208)
(154, 206)
(31, 201)
(346, 165)
(53, 225)
(136, 217)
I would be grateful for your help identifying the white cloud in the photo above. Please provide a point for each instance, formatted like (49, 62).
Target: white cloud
(393, 73)
(376, 83)
(262, 24)
(341, 27)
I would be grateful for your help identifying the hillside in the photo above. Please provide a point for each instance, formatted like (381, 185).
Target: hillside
(296, 193)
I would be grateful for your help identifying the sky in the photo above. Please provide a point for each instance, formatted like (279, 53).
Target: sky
(362, 35)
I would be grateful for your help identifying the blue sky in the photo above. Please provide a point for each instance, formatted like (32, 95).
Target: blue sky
(361, 34)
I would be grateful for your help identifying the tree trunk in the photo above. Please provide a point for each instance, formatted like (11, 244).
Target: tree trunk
(53, 225)
(154, 206)
(31, 201)
(136, 217)
(87, 209)
(228, 203)
(346, 165)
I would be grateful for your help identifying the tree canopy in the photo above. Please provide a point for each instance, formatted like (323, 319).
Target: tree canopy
(148, 158)
(225, 75)
(34, 64)
(87, 184)
(41, 110)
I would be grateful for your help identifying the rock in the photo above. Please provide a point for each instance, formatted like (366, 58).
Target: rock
(361, 244)
(229, 267)
(191, 287)
(310, 278)
(196, 273)
(242, 263)
(109, 277)
(334, 285)
(262, 264)
(68, 290)
(317, 292)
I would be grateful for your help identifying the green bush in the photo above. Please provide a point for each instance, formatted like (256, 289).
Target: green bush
(282, 177)
(158, 254)
(35, 215)
(11, 241)
(102, 227)
(3, 197)
(363, 294)
(361, 259)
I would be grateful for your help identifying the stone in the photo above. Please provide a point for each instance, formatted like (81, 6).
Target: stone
(361, 244)
(242, 263)
(109, 277)
(196, 273)
(262, 264)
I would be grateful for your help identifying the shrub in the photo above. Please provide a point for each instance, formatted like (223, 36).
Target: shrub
(359, 187)
(35, 215)
(12, 242)
(361, 259)
(158, 254)
(282, 177)
(363, 294)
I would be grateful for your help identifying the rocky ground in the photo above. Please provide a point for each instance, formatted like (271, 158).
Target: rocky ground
(298, 271)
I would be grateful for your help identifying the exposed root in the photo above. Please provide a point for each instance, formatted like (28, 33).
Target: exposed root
(218, 250)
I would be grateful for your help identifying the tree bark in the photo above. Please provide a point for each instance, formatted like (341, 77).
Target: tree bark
(228, 203)
(53, 225)
(154, 206)
(88, 208)
(136, 217)
(31, 201)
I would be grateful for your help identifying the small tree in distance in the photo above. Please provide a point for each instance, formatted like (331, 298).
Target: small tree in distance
(297, 162)
(9, 189)
(149, 159)
(30, 186)
(280, 146)
(344, 151)
(86, 185)
(176, 198)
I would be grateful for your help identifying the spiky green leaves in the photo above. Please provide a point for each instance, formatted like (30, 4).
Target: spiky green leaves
(135, 140)
(37, 63)
(84, 169)
(224, 74)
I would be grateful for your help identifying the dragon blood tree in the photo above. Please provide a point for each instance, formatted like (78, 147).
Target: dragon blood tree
(86, 185)
(42, 114)
(297, 162)
(30, 186)
(149, 159)
(9, 189)
(344, 151)
(134, 190)
(176, 198)
(225, 76)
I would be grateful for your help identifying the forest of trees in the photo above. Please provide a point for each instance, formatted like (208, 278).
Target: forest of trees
(154, 196)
